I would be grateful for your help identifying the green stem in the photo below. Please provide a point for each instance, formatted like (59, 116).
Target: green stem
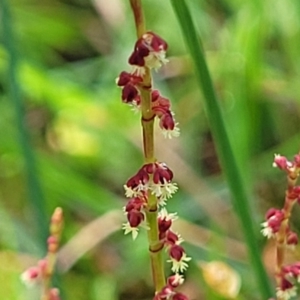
(230, 166)
(136, 6)
(34, 187)
(155, 245)
(147, 118)
(281, 237)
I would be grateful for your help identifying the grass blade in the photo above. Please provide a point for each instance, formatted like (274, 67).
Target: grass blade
(227, 158)
(34, 187)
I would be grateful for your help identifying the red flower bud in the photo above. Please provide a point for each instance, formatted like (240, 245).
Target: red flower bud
(135, 218)
(180, 296)
(129, 93)
(176, 252)
(164, 225)
(292, 238)
(171, 237)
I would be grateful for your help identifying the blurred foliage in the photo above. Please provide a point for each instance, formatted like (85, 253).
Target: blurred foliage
(85, 143)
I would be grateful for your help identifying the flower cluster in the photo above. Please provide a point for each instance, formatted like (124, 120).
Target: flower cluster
(277, 226)
(149, 52)
(154, 179)
(168, 291)
(162, 109)
(42, 272)
(283, 163)
(289, 277)
(150, 188)
(274, 218)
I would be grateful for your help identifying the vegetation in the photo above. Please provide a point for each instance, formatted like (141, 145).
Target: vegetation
(66, 141)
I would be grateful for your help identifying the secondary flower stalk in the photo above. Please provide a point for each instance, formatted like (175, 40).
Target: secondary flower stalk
(277, 226)
(150, 188)
(42, 273)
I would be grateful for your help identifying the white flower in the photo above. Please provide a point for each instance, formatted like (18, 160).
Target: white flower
(138, 71)
(177, 280)
(287, 293)
(180, 266)
(168, 189)
(137, 191)
(161, 201)
(267, 231)
(135, 107)
(129, 192)
(163, 214)
(156, 59)
(171, 133)
(31, 276)
(163, 191)
(128, 229)
(180, 239)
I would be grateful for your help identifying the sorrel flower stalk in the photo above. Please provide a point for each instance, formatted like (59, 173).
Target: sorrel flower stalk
(42, 273)
(150, 188)
(277, 226)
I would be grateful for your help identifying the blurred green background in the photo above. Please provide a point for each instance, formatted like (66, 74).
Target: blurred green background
(70, 142)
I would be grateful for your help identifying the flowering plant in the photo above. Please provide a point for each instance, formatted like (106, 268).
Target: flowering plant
(277, 226)
(41, 274)
(150, 188)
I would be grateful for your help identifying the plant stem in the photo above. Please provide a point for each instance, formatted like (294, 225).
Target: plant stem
(281, 239)
(155, 245)
(136, 6)
(147, 118)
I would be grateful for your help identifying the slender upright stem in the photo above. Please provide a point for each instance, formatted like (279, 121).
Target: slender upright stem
(281, 242)
(136, 6)
(147, 120)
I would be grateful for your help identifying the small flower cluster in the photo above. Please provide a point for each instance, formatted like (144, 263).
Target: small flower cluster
(274, 218)
(292, 168)
(172, 241)
(168, 291)
(42, 272)
(149, 53)
(155, 179)
(162, 109)
(289, 277)
(277, 226)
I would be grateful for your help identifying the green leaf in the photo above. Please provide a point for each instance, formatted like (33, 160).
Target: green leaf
(231, 169)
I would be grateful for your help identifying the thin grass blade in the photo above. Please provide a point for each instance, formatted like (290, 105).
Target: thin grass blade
(229, 163)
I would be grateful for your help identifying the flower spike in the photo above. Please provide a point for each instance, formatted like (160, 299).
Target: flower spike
(277, 226)
(152, 185)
